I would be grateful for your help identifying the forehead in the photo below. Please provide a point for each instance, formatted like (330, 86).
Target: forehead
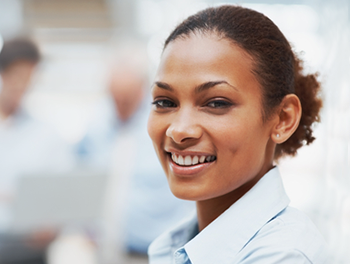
(202, 57)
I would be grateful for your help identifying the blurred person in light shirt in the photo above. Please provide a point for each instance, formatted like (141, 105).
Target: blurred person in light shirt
(117, 140)
(28, 146)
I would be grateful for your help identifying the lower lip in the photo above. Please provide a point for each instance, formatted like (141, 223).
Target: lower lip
(188, 170)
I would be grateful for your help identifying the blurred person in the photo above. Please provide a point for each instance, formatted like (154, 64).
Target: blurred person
(28, 146)
(18, 61)
(118, 141)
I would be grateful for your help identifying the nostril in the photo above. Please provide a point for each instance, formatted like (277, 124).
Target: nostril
(183, 130)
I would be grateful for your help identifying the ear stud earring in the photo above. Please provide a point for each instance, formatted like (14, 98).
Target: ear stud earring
(278, 135)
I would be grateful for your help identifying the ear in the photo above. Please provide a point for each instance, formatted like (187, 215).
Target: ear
(289, 115)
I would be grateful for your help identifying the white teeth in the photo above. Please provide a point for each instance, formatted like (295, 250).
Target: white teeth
(180, 160)
(188, 160)
(173, 156)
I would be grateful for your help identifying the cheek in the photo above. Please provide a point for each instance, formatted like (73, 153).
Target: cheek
(228, 133)
(156, 130)
(237, 135)
(151, 127)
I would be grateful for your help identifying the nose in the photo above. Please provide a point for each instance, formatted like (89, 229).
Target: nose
(184, 127)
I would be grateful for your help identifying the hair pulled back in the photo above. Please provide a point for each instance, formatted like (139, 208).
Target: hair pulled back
(276, 67)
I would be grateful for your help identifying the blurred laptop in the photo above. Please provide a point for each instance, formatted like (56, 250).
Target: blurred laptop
(54, 201)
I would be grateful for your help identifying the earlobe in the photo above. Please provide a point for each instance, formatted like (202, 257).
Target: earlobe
(288, 119)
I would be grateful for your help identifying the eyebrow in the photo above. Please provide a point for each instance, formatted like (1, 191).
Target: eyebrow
(164, 86)
(200, 88)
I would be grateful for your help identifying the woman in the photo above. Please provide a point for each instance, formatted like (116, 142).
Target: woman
(230, 99)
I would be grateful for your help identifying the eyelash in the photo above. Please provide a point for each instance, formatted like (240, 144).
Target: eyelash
(160, 103)
(222, 104)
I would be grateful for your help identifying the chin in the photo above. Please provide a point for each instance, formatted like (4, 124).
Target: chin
(185, 197)
(183, 193)
(187, 192)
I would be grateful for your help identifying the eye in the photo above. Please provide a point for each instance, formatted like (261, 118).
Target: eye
(163, 103)
(219, 104)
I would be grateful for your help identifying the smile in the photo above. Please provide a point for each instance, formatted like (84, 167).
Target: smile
(189, 160)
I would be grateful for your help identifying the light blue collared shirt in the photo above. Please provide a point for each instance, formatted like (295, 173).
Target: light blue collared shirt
(258, 228)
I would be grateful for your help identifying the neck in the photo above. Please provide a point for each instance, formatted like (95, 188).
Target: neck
(4, 113)
(209, 210)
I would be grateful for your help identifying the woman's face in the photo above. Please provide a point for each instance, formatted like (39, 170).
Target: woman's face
(206, 123)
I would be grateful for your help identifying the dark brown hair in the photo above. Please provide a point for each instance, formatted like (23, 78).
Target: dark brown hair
(277, 68)
(18, 49)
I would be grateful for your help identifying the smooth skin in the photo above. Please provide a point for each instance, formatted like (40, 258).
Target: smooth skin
(207, 101)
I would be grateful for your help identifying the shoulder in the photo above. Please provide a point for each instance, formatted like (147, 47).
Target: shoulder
(289, 237)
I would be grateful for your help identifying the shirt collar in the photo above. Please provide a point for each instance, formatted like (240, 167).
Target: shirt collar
(162, 249)
(229, 233)
(233, 229)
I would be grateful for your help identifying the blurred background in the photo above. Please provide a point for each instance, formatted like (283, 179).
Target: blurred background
(58, 184)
